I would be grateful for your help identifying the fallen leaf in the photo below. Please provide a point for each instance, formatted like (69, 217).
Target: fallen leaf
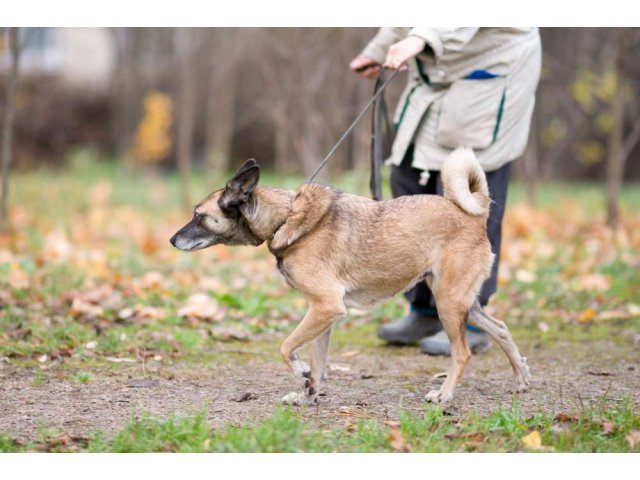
(474, 439)
(152, 280)
(201, 306)
(346, 411)
(633, 309)
(82, 309)
(56, 246)
(142, 313)
(587, 315)
(104, 295)
(17, 278)
(224, 333)
(338, 368)
(396, 441)
(633, 439)
(120, 360)
(351, 353)
(607, 427)
(596, 282)
(19, 333)
(564, 418)
(532, 440)
(245, 397)
(525, 276)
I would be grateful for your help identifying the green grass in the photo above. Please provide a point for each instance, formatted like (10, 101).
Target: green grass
(432, 431)
(37, 322)
(82, 377)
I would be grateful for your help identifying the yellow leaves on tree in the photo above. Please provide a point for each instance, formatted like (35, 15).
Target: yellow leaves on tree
(554, 132)
(153, 136)
(588, 87)
(589, 153)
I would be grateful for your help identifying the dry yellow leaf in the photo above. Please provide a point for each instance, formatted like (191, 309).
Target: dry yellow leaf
(587, 315)
(533, 440)
(525, 276)
(596, 282)
(17, 278)
(396, 441)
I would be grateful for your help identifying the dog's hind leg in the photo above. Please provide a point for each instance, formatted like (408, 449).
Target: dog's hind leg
(451, 312)
(454, 285)
(498, 330)
(316, 325)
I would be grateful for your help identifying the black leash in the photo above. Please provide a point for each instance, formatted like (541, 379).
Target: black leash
(377, 93)
(379, 120)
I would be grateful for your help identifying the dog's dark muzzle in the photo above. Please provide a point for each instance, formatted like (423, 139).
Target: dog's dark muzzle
(192, 237)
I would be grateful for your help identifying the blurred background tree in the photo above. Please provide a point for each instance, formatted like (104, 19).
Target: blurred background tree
(13, 45)
(284, 95)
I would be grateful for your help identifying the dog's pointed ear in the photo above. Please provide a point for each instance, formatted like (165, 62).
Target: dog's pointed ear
(239, 188)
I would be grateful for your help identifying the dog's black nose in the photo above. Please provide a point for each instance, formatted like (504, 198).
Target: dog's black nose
(173, 239)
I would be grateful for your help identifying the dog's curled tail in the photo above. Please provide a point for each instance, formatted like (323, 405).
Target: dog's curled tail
(465, 183)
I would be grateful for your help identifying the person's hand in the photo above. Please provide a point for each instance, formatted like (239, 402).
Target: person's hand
(402, 51)
(365, 66)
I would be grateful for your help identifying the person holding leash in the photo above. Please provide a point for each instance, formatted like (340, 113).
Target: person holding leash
(472, 87)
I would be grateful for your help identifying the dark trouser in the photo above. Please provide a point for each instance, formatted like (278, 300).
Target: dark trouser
(404, 181)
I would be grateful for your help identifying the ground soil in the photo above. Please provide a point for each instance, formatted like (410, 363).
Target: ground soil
(374, 382)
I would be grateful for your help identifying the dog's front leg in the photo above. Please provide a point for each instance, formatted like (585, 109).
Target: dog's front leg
(316, 325)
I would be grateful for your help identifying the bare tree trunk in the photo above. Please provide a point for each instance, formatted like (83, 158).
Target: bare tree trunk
(186, 109)
(530, 163)
(220, 122)
(614, 145)
(281, 139)
(125, 89)
(7, 124)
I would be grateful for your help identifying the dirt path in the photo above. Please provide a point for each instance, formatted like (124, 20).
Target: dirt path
(373, 383)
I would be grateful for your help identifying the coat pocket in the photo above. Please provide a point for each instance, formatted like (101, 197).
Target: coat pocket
(470, 113)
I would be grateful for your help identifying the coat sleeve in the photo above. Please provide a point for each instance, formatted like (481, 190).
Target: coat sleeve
(377, 48)
(441, 39)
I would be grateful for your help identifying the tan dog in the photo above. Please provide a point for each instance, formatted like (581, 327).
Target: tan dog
(342, 250)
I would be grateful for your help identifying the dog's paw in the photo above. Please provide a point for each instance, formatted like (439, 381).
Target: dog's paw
(523, 377)
(523, 383)
(297, 399)
(438, 396)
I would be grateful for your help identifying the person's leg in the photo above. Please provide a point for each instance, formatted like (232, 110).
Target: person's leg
(498, 182)
(478, 340)
(422, 319)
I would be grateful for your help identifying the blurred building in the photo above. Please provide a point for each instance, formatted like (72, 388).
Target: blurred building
(82, 58)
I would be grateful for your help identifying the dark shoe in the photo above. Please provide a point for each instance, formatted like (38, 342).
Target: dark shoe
(438, 344)
(410, 329)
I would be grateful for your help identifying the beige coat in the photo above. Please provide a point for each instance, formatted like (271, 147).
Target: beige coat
(441, 109)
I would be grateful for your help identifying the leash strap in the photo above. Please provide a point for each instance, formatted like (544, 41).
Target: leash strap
(353, 124)
(379, 120)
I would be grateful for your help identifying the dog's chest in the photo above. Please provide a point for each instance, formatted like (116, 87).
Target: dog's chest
(284, 271)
